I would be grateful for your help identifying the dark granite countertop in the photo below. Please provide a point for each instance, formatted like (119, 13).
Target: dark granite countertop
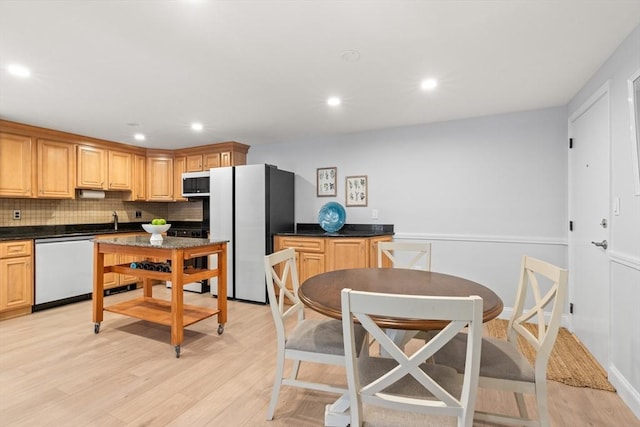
(166, 243)
(348, 230)
(48, 231)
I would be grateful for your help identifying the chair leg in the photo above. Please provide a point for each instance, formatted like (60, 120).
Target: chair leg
(541, 400)
(277, 383)
(295, 369)
(522, 407)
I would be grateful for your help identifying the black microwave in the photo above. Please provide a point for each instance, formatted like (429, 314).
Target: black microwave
(195, 184)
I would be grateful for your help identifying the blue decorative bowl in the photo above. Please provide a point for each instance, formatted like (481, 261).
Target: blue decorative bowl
(332, 217)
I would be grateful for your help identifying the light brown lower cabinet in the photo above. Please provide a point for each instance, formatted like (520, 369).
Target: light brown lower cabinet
(315, 255)
(16, 278)
(114, 280)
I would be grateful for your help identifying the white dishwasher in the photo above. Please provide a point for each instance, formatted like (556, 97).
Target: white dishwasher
(64, 270)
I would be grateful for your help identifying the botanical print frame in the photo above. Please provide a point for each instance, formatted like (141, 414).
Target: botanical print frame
(356, 190)
(326, 179)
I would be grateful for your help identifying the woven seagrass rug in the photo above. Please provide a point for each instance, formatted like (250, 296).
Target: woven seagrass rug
(570, 362)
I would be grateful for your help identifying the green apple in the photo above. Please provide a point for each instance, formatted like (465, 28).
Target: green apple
(162, 221)
(155, 221)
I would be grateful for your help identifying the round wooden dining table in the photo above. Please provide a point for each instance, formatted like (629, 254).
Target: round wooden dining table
(322, 292)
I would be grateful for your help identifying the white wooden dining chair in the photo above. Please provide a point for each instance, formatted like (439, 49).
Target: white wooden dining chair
(502, 365)
(308, 340)
(405, 382)
(413, 255)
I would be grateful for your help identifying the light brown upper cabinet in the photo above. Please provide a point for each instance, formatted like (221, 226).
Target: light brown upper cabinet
(120, 170)
(103, 169)
(56, 169)
(212, 160)
(92, 167)
(205, 157)
(160, 177)
(193, 163)
(203, 162)
(16, 165)
(139, 190)
(179, 166)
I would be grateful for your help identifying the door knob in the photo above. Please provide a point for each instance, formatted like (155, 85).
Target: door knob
(604, 245)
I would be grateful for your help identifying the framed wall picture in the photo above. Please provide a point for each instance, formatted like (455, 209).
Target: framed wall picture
(326, 181)
(356, 190)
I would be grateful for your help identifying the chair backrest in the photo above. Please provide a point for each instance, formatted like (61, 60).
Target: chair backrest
(389, 388)
(280, 270)
(554, 298)
(405, 255)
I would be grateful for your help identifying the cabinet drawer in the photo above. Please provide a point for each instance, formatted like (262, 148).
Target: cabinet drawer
(302, 244)
(15, 249)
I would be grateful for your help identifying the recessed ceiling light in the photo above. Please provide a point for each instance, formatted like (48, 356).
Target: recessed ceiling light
(429, 84)
(139, 137)
(196, 126)
(18, 70)
(334, 101)
(350, 55)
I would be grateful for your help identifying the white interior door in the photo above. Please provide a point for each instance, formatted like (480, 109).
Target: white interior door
(589, 212)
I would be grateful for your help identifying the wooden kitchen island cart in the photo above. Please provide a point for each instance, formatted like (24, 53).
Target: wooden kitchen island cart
(173, 251)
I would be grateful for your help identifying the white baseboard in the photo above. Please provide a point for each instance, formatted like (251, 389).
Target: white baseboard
(629, 395)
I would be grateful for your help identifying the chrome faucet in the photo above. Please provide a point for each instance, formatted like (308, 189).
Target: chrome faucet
(115, 220)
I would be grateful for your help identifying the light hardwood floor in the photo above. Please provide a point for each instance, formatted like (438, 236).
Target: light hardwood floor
(55, 371)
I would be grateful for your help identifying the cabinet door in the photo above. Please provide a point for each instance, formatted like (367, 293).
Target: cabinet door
(310, 264)
(56, 169)
(179, 167)
(373, 252)
(120, 170)
(194, 163)
(211, 160)
(92, 167)
(139, 191)
(110, 279)
(346, 253)
(16, 283)
(126, 279)
(16, 173)
(225, 159)
(159, 179)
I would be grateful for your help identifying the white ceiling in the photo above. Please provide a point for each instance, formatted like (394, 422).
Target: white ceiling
(261, 71)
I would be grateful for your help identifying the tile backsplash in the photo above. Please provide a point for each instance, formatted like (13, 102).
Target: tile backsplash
(93, 211)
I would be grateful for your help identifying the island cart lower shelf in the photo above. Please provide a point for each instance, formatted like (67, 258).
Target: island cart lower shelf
(173, 313)
(159, 311)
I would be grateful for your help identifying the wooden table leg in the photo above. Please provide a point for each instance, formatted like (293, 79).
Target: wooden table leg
(177, 321)
(222, 285)
(98, 286)
(147, 288)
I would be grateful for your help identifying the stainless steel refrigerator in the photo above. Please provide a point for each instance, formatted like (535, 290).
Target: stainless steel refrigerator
(248, 205)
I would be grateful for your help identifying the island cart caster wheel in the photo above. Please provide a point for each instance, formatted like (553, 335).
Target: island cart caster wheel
(96, 328)
(177, 349)
(220, 329)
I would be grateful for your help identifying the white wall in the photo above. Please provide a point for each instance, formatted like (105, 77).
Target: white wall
(624, 253)
(485, 191)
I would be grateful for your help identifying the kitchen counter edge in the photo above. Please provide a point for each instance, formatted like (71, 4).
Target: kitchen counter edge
(348, 230)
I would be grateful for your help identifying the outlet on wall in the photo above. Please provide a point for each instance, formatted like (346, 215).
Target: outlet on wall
(17, 214)
(138, 214)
